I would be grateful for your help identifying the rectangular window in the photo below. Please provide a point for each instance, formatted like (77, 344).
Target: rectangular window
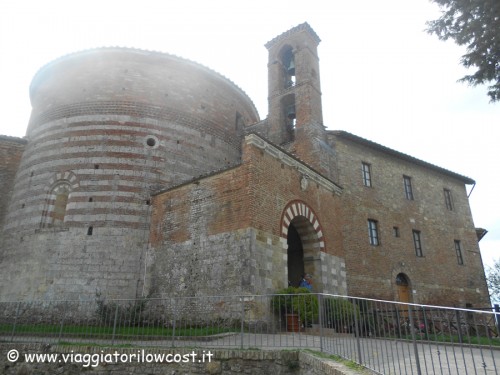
(417, 241)
(373, 232)
(458, 251)
(395, 231)
(447, 199)
(408, 188)
(367, 174)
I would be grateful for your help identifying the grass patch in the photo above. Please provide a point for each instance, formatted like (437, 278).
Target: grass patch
(348, 363)
(94, 344)
(454, 339)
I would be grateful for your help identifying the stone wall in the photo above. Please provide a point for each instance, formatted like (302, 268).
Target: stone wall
(67, 263)
(108, 127)
(222, 362)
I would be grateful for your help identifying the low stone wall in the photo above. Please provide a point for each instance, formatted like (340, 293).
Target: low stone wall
(59, 359)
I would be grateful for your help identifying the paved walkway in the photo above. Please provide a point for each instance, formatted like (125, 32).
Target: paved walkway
(381, 355)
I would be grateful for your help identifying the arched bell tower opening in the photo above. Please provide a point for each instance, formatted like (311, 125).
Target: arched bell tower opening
(288, 63)
(289, 115)
(304, 239)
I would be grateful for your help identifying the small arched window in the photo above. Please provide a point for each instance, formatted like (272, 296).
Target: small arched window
(56, 204)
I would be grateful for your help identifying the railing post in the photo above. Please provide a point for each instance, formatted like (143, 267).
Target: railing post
(497, 315)
(114, 325)
(173, 332)
(242, 299)
(320, 321)
(414, 339)
(398, 322)
(459, 327)
(15, 322)
(426, 324)
(175, 313)
(61, 327)
(356, 331)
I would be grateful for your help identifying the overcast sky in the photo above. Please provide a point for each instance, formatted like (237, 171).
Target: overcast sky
(383, 77)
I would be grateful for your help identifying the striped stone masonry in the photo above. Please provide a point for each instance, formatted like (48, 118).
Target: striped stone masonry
(298, 208)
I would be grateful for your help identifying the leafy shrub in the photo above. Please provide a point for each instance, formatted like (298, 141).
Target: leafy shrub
(340, 314)
(299, 301)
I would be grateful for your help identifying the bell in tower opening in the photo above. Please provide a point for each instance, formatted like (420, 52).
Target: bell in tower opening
(289, 67)
(290, 115)
(292, 119)
(290, 112)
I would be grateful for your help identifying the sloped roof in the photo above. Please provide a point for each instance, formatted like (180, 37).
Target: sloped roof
(9, 138)
(400, 155)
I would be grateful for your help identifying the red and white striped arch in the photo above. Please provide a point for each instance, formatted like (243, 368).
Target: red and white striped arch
(300, 210)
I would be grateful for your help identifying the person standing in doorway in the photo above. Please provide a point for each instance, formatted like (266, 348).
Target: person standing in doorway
(306, 282)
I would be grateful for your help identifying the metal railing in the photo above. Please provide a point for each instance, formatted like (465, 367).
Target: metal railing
(387, 337)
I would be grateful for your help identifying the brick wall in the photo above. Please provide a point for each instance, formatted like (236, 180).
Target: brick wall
(305, 94)
(11, 150)
(436, 277)
(223, 234)
(145, 77)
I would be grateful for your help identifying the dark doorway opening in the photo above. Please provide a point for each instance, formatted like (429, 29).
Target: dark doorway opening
(295, 256)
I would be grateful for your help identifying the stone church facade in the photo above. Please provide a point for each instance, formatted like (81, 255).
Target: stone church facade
(144, 174)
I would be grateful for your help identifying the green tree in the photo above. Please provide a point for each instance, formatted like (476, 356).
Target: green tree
(493, 280)
(476, 25)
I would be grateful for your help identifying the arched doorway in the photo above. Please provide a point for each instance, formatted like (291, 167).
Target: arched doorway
(304, 240)
(403, 288)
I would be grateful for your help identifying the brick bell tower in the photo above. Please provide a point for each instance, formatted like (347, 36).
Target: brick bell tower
(295, 112)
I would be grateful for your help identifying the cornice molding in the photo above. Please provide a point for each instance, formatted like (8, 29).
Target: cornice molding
(287, 159)
(302, 27)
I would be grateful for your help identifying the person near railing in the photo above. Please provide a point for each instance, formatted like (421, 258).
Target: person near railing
(306, 282)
